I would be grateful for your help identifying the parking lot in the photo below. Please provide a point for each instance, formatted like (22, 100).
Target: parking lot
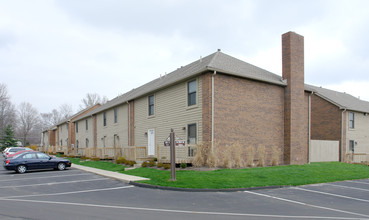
(76, 194)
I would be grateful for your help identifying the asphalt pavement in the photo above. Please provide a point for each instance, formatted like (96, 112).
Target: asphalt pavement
(78, 194)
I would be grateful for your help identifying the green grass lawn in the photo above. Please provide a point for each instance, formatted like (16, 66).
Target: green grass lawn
(104, 165)
(255, 177)
(243, 178)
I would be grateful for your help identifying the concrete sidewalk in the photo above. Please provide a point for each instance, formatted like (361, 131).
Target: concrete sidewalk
(115, 175)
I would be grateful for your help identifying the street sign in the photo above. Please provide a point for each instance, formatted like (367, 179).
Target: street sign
(178, 142)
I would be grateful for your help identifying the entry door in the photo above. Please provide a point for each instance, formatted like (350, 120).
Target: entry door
(151, 142)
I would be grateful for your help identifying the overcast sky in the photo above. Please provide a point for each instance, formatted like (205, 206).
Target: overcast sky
(55, 52)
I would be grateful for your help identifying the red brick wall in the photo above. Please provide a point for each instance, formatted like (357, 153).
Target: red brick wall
(52, 137)
(296, 120)
(325, 120)
(206, 107)
(248, 112)
(57, 137)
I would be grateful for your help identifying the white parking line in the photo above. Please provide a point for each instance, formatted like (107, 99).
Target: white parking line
(53, 183)
(347, 187)
(306, 204)
(44, 177)
(331, 194)
(66, 193)
(361, 182)
(181, 211)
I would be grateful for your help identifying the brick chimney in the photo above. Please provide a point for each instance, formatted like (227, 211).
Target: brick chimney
(295, 120)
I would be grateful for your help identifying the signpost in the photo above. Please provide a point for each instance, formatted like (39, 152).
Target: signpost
(172, 156)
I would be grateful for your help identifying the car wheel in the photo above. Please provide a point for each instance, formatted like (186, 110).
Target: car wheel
(21, 169)
(61, 166)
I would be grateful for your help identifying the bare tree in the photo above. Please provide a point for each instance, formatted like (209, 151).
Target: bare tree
(65, 111)
(92, 99)
(7, 114)
(50, 119)
(29, 121)
(3, 92)
(7, 109)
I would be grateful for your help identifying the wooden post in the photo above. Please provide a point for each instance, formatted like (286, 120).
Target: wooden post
(172, 156)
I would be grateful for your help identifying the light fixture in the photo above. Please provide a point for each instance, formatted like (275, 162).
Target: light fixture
(183, 128)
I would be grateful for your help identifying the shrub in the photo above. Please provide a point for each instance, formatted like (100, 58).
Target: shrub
(166, 166)
(250, 156)
(160, 165)
(95, 159)
(131, 163)
(261, 155)
(151, 163)
(121, 160)
(145, 164)
(183, 165)
(275, 156)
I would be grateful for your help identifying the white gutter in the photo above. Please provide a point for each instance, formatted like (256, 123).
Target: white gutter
(212, 111)
(341, 159)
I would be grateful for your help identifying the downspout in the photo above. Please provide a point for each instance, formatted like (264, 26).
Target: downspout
(309, 131)
(341, 159)
(212, 111)
(129, 123)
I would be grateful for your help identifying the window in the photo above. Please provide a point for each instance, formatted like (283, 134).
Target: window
(29, 156)
(191, 88)
(115, 115)
(192, 134)
(351, 120)
(61, 142)
(67, 126)
(76, 127)
(86, 124)
(352, 146)
(77, 143)
(151, 105)
(104, 118)
(42, 156)
(86, 142)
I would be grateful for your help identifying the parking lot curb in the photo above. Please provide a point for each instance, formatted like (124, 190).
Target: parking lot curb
(115, 175)
(144, 185)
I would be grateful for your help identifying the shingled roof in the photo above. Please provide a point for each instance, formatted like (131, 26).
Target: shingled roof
(76, 115)
(218, 61)
(342, 100)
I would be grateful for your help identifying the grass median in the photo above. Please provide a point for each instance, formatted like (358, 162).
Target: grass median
(104, 165)
(255, 177)
(243, 178)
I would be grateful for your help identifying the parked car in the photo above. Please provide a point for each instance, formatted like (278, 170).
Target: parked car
(6, 150)
(16, 153)
(34, 160)
(14, 150)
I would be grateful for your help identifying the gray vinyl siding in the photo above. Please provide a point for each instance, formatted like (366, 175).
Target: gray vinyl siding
(359, 134)
(83, 133)
(63, 134)
(46, 139)
(171, 111)
(120, 128)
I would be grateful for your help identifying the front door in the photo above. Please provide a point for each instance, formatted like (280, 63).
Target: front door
(151, 142)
